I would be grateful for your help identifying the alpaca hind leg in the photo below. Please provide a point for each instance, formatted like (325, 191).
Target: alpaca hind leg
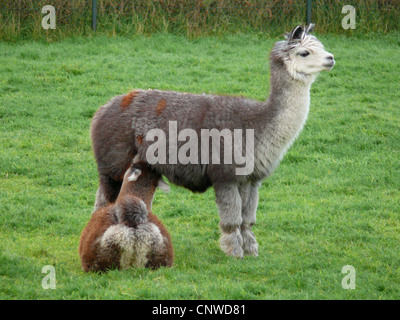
(230, 210)
(107, 192)
(249, 195)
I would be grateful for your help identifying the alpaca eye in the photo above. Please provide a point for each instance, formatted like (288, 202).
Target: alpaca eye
(304, 54)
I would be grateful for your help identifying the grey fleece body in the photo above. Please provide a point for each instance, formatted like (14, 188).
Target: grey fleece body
(272, 135)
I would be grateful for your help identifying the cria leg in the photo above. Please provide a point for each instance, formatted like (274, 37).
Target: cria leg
(230, 211)
(249, 195)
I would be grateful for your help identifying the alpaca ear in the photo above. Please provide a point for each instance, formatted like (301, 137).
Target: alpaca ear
(136, 159)
(296, 33)
(134, 175)
(162, 185)
(310, 28)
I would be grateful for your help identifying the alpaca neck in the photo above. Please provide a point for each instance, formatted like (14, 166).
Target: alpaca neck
(289, 92)
(288, 103)
(285, 113)
(142, 193)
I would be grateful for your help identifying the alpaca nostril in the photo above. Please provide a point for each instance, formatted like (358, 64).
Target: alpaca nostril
(330, 62)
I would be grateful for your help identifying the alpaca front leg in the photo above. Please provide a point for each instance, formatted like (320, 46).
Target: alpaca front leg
(249, 195)
(230, 211)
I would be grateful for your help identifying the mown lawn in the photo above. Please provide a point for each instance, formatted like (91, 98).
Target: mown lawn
(334, 200)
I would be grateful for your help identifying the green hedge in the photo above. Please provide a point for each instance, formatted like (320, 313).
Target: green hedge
(22, 18)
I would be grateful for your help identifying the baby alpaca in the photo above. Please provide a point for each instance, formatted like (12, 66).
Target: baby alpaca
(126, 233)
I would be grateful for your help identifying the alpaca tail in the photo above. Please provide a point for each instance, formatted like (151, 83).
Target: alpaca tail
(132, 212)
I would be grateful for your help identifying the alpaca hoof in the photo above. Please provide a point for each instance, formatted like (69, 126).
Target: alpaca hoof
(231, 243)
(250, 245)
(251, 250)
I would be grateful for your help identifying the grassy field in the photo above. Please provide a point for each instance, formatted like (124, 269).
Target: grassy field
(334, 200)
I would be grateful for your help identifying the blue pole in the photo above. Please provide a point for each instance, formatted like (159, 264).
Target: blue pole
(94, 15)
(308, 12)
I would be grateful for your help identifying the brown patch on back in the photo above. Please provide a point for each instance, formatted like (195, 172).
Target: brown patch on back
(161, 106)
(128, 98)
(139, 139)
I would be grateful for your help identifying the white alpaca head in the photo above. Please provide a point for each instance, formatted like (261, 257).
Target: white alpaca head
(303, 54)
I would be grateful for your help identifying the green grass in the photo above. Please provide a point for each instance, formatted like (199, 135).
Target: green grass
(333, 201)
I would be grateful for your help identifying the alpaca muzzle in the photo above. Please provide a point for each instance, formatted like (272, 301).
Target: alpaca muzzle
(331, 62)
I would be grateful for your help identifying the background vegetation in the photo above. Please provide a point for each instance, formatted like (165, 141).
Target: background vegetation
(333, 201)
(21, 19)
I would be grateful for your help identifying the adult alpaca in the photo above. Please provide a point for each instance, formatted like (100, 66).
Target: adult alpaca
(120, 127)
